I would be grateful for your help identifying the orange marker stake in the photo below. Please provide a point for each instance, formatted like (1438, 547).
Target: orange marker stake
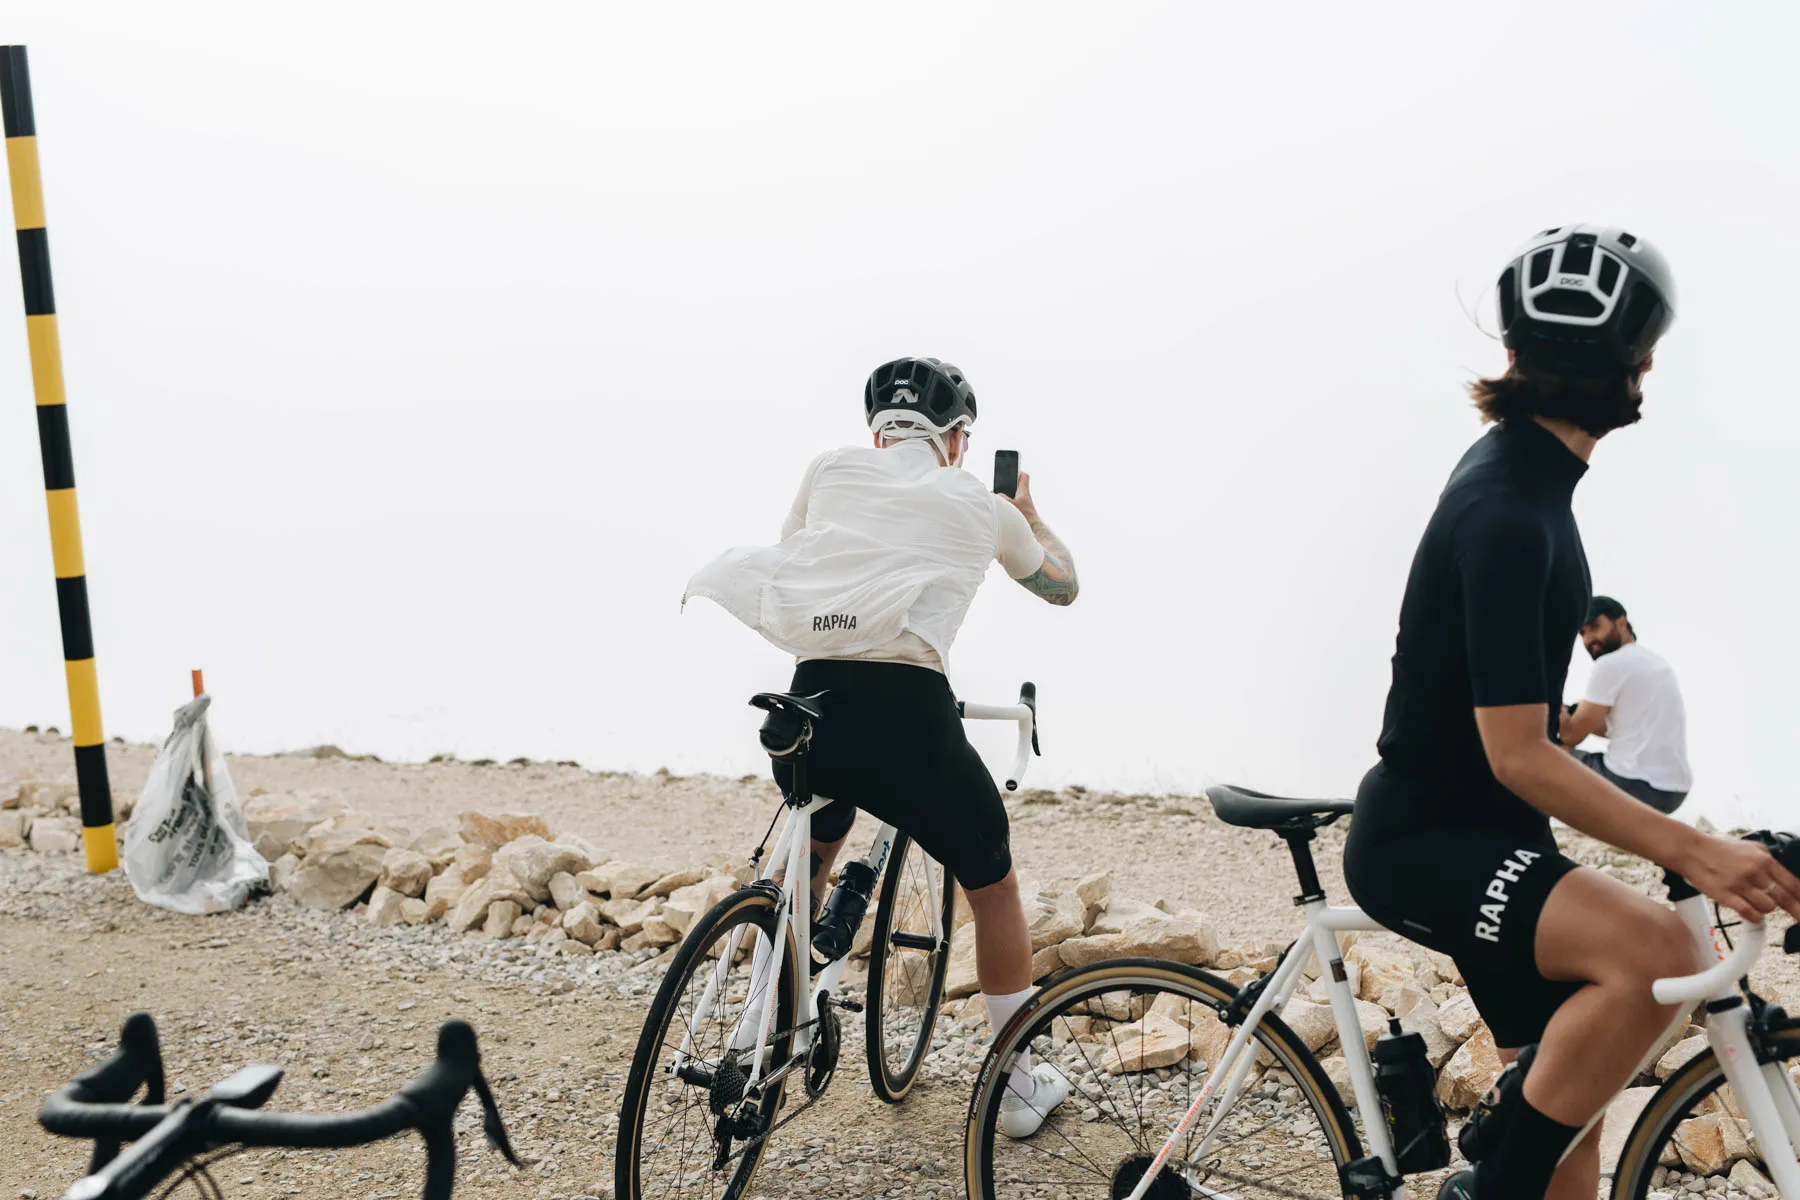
(199, 684)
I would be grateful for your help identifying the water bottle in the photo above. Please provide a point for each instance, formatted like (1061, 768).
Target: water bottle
(843, 912)
(1408, 1089)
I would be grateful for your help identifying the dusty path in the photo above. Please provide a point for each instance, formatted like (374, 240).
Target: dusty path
(351, 1010)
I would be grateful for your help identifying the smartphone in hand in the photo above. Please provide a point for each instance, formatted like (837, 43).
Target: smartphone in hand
(1006, 472)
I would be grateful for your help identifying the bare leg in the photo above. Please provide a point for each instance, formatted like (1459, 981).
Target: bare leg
(824, 854)
(1597, 929)
(1002, 938)
(1578, 1176)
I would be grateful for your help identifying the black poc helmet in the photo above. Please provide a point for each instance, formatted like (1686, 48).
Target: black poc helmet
(1586, 295)
(930, 392)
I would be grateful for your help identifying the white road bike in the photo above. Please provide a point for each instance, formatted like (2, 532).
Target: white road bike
(1185, 1086)
(709, 1079)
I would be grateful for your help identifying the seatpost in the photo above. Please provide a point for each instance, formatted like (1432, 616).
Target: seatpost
(802, 789)
(1298, 839)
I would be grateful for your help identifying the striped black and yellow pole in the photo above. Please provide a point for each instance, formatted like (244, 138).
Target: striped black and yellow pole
(59, 464)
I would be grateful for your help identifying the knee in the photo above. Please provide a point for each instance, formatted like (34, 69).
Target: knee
(1004, 894)
(1658, 947)
(1668, 947)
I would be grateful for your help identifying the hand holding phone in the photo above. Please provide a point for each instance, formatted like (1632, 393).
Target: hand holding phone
(1006, 472)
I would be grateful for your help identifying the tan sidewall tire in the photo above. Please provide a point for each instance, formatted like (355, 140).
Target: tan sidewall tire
(637, 1090)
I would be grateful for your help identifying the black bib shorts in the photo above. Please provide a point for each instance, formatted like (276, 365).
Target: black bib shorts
(1474, 894)
(892, 744)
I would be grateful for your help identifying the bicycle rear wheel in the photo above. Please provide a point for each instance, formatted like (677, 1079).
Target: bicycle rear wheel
(907, 964)
(1653, 1157)
(668, 1122)
(1134, 1038)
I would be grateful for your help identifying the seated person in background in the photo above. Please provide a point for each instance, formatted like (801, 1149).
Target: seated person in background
(1633, 701)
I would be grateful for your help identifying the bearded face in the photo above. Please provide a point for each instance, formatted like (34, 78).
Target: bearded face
(1602, 636)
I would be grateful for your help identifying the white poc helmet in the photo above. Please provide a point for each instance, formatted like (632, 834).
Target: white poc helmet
(918, 398)
(1587, 292)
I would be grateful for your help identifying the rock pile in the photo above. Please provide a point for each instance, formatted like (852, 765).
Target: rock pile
(494, 875)
(46, 817)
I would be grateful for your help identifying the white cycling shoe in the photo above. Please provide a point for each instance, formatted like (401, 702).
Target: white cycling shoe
(1019, 1117)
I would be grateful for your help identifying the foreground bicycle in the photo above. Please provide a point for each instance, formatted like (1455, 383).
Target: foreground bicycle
(738, 1014)
(1185, 1086)
(182, 1140)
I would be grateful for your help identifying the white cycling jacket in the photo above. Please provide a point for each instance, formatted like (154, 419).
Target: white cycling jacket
(882, 544)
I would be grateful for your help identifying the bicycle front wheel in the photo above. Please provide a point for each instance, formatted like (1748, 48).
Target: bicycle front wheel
(1661, 1156)
(686, 1075)
(1135, 1040)
(907, 964)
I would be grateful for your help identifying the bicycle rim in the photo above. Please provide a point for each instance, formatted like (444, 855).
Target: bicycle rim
(906, 981)
(1133, 1038)
(1651, 1159)
(666, 1125)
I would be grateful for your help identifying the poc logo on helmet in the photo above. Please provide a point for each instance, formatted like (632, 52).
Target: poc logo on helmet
(904, 394)
(1573, 281)
(832, 622)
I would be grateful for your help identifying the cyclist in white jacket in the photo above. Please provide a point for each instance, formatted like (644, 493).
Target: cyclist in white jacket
(880, 558)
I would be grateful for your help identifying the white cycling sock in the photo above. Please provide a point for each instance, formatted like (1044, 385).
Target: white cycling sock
(1000, 1010)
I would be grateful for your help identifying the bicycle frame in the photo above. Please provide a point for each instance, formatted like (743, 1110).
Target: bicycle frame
(1320, 940)
(791, 857)
(1766, 1092)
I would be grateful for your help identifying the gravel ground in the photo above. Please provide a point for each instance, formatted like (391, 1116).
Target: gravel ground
(351, 1010)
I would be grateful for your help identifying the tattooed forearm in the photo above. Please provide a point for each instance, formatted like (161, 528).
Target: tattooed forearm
(1055, 581)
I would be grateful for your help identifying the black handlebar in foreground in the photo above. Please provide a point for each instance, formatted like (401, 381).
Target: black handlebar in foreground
(166, 1136)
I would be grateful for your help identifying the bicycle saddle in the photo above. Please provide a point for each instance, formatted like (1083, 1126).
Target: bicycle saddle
(1254, 810)
(789, 725)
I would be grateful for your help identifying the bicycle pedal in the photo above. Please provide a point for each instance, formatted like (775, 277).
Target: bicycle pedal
(854, 1006)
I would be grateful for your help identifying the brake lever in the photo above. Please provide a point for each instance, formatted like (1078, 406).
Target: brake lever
(491, 1123)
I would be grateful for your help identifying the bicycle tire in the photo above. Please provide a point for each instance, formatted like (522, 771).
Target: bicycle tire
(748, 906)
(1674, 1102)
(892, 1084)
(1063, 993)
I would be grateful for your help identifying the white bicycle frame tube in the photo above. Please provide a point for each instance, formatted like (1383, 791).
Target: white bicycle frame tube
(793, 851)
(1766, 1092)
(1323, 923)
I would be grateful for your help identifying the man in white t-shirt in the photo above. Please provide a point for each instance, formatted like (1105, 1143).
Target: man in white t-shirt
(879, 560)
(1633, 701)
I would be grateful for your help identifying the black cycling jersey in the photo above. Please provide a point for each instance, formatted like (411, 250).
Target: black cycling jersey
(1493, 606)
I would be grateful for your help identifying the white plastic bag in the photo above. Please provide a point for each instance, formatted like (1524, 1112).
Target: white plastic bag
(187, 847)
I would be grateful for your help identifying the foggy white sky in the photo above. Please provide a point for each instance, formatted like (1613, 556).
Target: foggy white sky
(417, 354)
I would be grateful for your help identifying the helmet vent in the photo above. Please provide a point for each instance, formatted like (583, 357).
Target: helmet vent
(1609, 273)
(1578, 256)
(1627, 240)
(1566, 302)
(1550, 231)
(1540, 267)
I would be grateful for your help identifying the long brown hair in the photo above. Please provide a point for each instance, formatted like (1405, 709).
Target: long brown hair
(1598, 397)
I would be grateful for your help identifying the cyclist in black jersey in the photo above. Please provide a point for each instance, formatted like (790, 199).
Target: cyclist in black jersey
(1451, 844)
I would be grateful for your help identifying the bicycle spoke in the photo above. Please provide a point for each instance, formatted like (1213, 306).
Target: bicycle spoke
(1104, 1104)
(1271, 1144)
(1093, 1167)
